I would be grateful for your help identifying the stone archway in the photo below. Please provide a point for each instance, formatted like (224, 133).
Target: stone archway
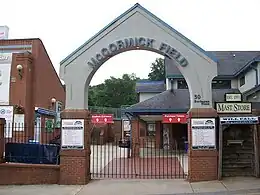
(138, 29)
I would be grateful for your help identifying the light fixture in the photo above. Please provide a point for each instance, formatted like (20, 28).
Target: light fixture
(19, 68)
(53, 100)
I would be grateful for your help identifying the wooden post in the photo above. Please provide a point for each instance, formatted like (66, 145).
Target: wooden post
(220, 150)
(256, 150)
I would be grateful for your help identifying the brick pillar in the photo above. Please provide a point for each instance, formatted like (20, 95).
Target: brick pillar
(75, 163)
(2, 139)
(202, 164)
(158, 133)
(135, 137)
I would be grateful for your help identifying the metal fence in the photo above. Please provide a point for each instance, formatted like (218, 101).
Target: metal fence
(144, 161)
(31, 144)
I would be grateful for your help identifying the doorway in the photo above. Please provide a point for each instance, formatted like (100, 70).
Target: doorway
(238, 155)
(174, 135)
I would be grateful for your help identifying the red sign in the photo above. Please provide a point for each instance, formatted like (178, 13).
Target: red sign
(174, 118)
(102, 118)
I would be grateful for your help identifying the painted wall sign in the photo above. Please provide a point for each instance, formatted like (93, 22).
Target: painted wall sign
(7, 112)
(102, 118)
(72, 133)
(203, 132)
(239, 120)
(5, 77)
(245, 107)
(4, 30)
(233, 97)
(133, 42)
(174, 118)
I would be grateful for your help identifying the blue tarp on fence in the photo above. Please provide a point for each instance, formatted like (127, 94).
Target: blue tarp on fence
(32, 153)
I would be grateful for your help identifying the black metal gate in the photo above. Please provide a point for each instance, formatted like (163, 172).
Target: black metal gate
(142, 161)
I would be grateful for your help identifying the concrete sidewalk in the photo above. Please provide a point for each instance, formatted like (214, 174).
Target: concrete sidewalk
(142, 187)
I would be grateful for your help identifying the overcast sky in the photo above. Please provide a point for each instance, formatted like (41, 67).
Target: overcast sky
(65, 25)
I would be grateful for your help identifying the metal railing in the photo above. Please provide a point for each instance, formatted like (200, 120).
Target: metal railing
(145, 160)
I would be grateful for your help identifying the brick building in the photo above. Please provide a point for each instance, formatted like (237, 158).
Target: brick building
(31, 93)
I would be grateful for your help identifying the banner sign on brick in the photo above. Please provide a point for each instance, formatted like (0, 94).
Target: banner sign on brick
(102, 118)
(174, 118)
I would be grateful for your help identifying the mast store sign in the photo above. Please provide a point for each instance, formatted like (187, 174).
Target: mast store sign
(234, 107)
(132, 43)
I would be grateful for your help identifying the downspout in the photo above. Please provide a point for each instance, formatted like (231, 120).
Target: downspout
(171, 87)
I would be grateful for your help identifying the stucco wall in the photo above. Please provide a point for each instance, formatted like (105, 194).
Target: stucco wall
(234, 84)
(254, 97)
(250, 81)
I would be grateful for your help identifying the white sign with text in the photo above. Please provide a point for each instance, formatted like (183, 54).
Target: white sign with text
(4, 30)
(203, 133)
(72, 134)
(7, 112)
(5, 74)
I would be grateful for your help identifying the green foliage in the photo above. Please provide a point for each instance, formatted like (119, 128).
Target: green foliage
(157, 70)
(114, 92)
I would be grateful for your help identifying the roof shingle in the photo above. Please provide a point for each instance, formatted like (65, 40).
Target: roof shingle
(179, 99)
(229, 62)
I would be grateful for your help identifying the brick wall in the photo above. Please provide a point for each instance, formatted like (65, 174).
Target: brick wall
(40, 81)
(47, 83)
(28, 174)
(73, 174)
(203, 164)
(108, 132)
(21, 89)
(115, 130)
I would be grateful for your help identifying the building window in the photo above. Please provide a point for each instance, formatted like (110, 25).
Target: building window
(221, 84)
(181, 84)
(242, 81)
(151, 129)
(216, 84)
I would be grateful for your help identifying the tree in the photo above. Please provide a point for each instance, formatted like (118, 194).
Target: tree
(157, 70)
(114, 92)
